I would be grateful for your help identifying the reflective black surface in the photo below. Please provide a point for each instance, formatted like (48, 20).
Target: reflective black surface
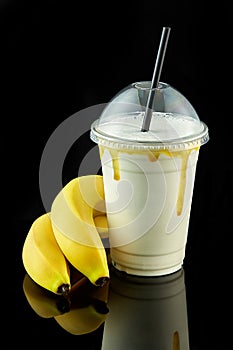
(188, 309)
(147, 313)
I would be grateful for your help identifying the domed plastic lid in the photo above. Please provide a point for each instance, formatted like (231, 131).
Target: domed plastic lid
(174, 122)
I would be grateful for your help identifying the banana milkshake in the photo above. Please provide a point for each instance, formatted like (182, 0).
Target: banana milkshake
(148, 177)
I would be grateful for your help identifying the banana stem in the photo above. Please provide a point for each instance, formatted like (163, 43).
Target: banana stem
(102, 281)
(80, 282)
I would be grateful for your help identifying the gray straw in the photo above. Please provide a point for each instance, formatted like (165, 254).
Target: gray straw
(156, 77)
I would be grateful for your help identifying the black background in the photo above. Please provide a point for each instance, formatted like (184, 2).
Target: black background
(58, 57)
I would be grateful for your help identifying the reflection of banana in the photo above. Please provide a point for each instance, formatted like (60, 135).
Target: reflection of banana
(88, 308)
(84, 320)
(46, 304)
(73, 214)
(81, 312)
(43, 259)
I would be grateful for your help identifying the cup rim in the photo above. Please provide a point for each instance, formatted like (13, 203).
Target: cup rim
(182, 143)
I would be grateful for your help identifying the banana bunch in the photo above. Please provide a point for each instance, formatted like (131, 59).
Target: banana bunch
(80, 312)
(73, 214)
(68, 237)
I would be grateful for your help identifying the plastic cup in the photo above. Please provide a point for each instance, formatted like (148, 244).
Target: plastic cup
(148, 176)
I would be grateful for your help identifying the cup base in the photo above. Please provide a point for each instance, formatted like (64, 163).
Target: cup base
(149, 273)
(139, 265)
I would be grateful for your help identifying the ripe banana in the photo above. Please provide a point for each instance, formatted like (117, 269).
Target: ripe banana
(45, 303)
(43, 258)
(73, 215)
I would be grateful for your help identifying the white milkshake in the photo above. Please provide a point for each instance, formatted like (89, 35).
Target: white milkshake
(148, 179)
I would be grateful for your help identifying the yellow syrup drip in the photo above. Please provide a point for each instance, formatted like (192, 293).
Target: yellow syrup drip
(101, 151)
(152, 157)
(115, 161)
(176, 341)
(115, 164)
(182, 184)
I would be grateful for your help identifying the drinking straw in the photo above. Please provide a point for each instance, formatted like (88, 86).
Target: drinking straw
(155, 77)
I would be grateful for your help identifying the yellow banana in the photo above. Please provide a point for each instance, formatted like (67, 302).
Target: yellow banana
(43, 258)
(73, 215)
(45, 303)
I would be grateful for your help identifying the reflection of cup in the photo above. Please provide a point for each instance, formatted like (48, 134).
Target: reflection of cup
(148, 177)
(146, 313)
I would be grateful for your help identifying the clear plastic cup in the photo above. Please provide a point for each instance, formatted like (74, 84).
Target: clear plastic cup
(148, 176)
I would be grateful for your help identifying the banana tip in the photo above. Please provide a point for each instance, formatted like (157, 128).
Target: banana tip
(101, 281)
(63, 289)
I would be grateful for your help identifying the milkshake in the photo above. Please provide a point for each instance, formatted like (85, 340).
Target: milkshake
(148, 176)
